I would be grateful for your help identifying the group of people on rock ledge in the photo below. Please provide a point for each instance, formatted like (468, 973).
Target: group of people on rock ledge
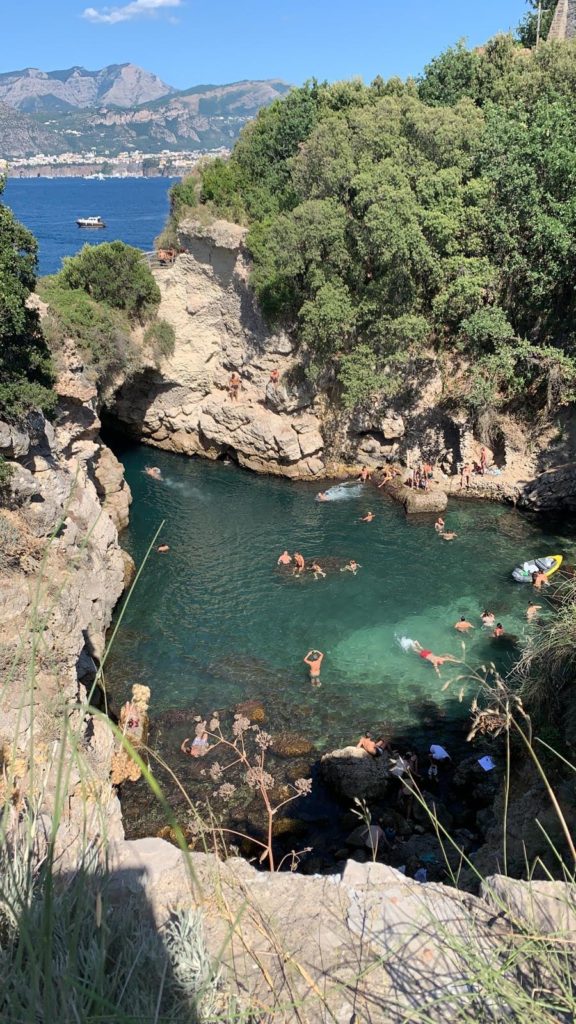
(235, 383)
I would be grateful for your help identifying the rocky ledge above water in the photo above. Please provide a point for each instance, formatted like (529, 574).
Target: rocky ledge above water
(289, 427)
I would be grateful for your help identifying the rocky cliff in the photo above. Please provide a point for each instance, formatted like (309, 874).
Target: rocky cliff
(287, 427)
(61, 573)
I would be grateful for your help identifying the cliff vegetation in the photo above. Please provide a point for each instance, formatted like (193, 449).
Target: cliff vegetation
(389, 220)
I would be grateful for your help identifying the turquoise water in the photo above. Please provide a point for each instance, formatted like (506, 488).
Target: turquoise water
(214, 621)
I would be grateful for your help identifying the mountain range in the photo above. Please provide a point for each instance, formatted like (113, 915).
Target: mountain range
(121, 107)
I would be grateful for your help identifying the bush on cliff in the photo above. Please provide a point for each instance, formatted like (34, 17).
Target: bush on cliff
(25, 368)
(445, 203)
(116, 274)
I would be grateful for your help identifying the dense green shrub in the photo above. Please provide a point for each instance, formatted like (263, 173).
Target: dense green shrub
(25, 366)
(101, 333)
(388, 218)
(113, 273)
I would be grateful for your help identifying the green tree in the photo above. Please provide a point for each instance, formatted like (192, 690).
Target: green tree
(113, 273)
(528, 28)
(25, 366)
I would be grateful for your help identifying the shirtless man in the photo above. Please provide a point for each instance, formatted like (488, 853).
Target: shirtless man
(284, 559)
(499, 630)
(532, 611)
(321, 496)
(234, 386)
(153, 471)
(488, 618)
(463, 625)
(483, 460)
(299, 563)
(465, 475)
(387, 475)
(365, 474)
(318, 571)
(314, 661)
(437, 660)
(448, 536)
(540, 579)
(163, 548)
(367, 518)
(439, 525)
(367, 743)
(351, 567)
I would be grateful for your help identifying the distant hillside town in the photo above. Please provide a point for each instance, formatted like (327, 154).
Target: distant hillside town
(119, 120)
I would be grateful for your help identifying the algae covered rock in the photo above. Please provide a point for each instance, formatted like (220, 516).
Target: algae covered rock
(351, 772)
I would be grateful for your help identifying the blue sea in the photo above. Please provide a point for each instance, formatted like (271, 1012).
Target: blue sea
(133, 209)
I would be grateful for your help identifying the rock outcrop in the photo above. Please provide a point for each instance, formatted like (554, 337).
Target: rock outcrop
(368, 944)
(279, 423)
(185, 405)
(61, 574)
(352, 772)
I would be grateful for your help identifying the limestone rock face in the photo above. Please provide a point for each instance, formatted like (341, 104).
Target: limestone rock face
(184, 405)
(59, 584)
(319, 948)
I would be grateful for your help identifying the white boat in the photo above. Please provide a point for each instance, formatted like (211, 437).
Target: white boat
(90, 222)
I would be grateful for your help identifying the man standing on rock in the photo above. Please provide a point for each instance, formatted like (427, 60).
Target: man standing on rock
(234, 385)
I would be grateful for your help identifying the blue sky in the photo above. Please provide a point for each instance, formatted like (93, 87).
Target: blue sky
(188, 42)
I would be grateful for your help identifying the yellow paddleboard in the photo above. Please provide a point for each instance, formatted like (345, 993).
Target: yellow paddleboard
(558, 559)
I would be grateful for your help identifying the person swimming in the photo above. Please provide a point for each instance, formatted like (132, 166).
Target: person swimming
(198, 747)
(314, 661)
(436, 660)
(284, 559)
(532, 611)
(318, 571)
(463, 625)
(499, 630)
(162, 549)
(154, 471)
(447, 535)
(539, 580)
(367, 518)
(322, 496)
(488, 618)
(351, 567)
(439, 525)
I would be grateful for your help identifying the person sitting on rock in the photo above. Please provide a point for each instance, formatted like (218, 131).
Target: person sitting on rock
(284, 559)
(367, 743)
(274, 376)
(198, 747)
(365, 475)
(318, 571)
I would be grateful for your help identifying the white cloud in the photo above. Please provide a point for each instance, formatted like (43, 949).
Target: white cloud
(135, 9)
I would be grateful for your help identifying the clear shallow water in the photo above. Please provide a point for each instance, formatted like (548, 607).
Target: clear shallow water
(215, 622)
(134, 210)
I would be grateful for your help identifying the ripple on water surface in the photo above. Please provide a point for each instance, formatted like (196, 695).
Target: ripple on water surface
(214, 621)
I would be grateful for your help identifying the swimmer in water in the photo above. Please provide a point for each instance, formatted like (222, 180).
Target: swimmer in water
(532, 611)
(367, 518)
(284, 559)
(299, 563)
(439, 525)
(448, 536)
(499, 630)
(488, 618)
(162, 549)
(322, 496)
(314, 661)
(318, 571)
(463, 625)
(436, 660)
(351, 567)
(153, 471)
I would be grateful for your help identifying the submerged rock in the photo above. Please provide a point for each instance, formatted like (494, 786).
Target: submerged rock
(290, 744)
